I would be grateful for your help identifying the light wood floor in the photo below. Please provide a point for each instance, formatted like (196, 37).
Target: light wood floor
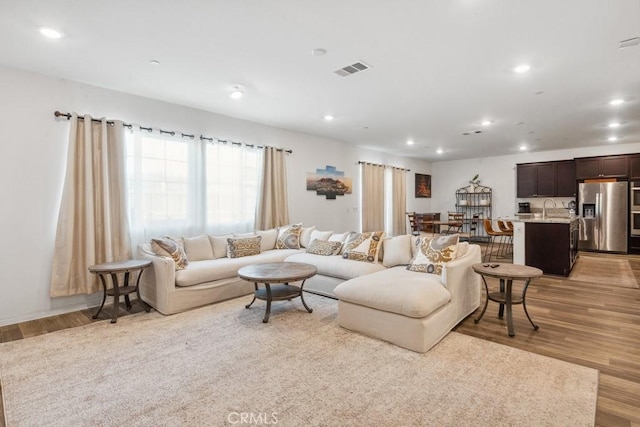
(588, 324)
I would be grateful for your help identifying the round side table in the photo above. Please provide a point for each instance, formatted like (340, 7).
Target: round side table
(507, 273)
(113, 269)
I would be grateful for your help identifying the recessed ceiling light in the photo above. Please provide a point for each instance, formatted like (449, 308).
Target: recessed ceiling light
(612, 138)
(617, 101)
(154, 62)
(237, 92)
(328, 117)
(614, 125)
(486, 122)
(319, 52)
(410, 142)
(439, 151)
(50, 33)
(522, 68)
(523, 147)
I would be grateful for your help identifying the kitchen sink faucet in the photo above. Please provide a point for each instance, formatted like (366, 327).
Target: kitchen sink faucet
(544, 207)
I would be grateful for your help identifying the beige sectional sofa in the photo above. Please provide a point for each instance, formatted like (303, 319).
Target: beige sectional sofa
(381, 299)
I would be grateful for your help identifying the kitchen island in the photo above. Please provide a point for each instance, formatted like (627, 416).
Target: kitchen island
(550, 244)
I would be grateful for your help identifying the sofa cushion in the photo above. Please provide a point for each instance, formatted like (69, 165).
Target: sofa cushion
(269, 238)
(396, 250)
(242, 247)
(305, 236)
(166, 246)
(323, 247)
(226, 268)
(320, 235)
(433, 253)
(396, 290)
(219, 244)
(363, 246)
(198, 248)
(336, 266)
(289, 237)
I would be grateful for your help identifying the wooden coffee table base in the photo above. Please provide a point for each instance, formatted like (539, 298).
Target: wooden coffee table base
(277, 293)
(276, 277)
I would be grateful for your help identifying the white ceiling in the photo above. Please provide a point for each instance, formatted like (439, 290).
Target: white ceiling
(438, 68)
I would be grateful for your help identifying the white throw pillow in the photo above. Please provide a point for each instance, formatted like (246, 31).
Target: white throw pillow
(305, 236)
(320, 235)
(244, 235)
(269, 238)
(198, 248)
(219, 244)
(396, 250)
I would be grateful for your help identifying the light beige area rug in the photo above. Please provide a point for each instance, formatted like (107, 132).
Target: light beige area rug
(603, 270)
(215, 365)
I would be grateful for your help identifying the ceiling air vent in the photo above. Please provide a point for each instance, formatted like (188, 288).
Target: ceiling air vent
(471, 132)
(629, 42)
(351, 69)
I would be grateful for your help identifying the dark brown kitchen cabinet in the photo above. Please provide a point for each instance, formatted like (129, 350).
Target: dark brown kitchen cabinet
(634, 167)
(602, 167)
(566, 179)
(553, 248)
(546, 179)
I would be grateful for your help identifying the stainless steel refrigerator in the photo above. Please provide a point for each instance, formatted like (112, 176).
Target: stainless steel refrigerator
(603, 209)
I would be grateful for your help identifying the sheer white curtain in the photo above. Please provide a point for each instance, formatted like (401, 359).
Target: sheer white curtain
(92, 222)
(372, 179)
(273, 206)
(186, 187)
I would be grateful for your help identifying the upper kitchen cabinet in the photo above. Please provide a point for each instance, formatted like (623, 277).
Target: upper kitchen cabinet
(566, 178)
(546, 179)
(634, 167)
(602, 167)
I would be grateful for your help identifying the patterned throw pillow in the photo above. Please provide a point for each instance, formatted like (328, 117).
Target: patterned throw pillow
(431, 255)
(363, 246)
(323, 247)
(289, 237)
(166, 246)
(239, 247)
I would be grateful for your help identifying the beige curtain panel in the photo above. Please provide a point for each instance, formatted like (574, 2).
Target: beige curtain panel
(92, 223)
(372, 197)
(399, 200)
(273, 205)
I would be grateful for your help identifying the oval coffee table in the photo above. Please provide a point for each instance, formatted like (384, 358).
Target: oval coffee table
(506, 273)
(280, 273)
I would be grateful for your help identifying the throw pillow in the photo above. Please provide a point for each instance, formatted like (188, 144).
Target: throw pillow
(432, 254)
(289, 237)
(323, 247)
(219, 245)
(166, 246)
(198, 248)
(363, 246)
(269, 238)
(305, 236)
(320, 235)
(396, 250)
(244, 246)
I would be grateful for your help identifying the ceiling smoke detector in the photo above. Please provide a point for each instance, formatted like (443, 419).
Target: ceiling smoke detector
(352, 69)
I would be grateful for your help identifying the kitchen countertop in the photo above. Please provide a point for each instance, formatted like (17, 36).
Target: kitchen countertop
(549, 220)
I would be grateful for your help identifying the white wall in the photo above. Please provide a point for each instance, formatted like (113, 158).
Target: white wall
(499, 173)
(33, 149)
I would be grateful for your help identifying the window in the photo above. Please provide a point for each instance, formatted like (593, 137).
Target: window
(182, 187)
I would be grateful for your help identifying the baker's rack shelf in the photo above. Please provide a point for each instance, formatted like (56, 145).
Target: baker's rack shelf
(474, 200)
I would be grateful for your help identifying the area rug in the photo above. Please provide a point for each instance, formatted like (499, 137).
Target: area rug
(604, 270)
(220, 365)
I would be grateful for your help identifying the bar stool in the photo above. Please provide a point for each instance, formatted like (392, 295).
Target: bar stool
(493, 234)
(507, 228)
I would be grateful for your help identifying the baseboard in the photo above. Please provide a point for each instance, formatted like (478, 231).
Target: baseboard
(90, 303)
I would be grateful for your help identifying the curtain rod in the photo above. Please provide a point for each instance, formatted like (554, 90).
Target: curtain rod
(360, 162)
(169, 132)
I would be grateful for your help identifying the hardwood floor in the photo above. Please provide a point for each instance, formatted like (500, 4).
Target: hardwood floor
(588, 324)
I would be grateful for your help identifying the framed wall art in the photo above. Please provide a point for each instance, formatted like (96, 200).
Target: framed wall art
(423, 185)
(328, 182)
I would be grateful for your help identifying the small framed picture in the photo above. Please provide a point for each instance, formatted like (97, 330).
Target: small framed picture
(423, 185)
